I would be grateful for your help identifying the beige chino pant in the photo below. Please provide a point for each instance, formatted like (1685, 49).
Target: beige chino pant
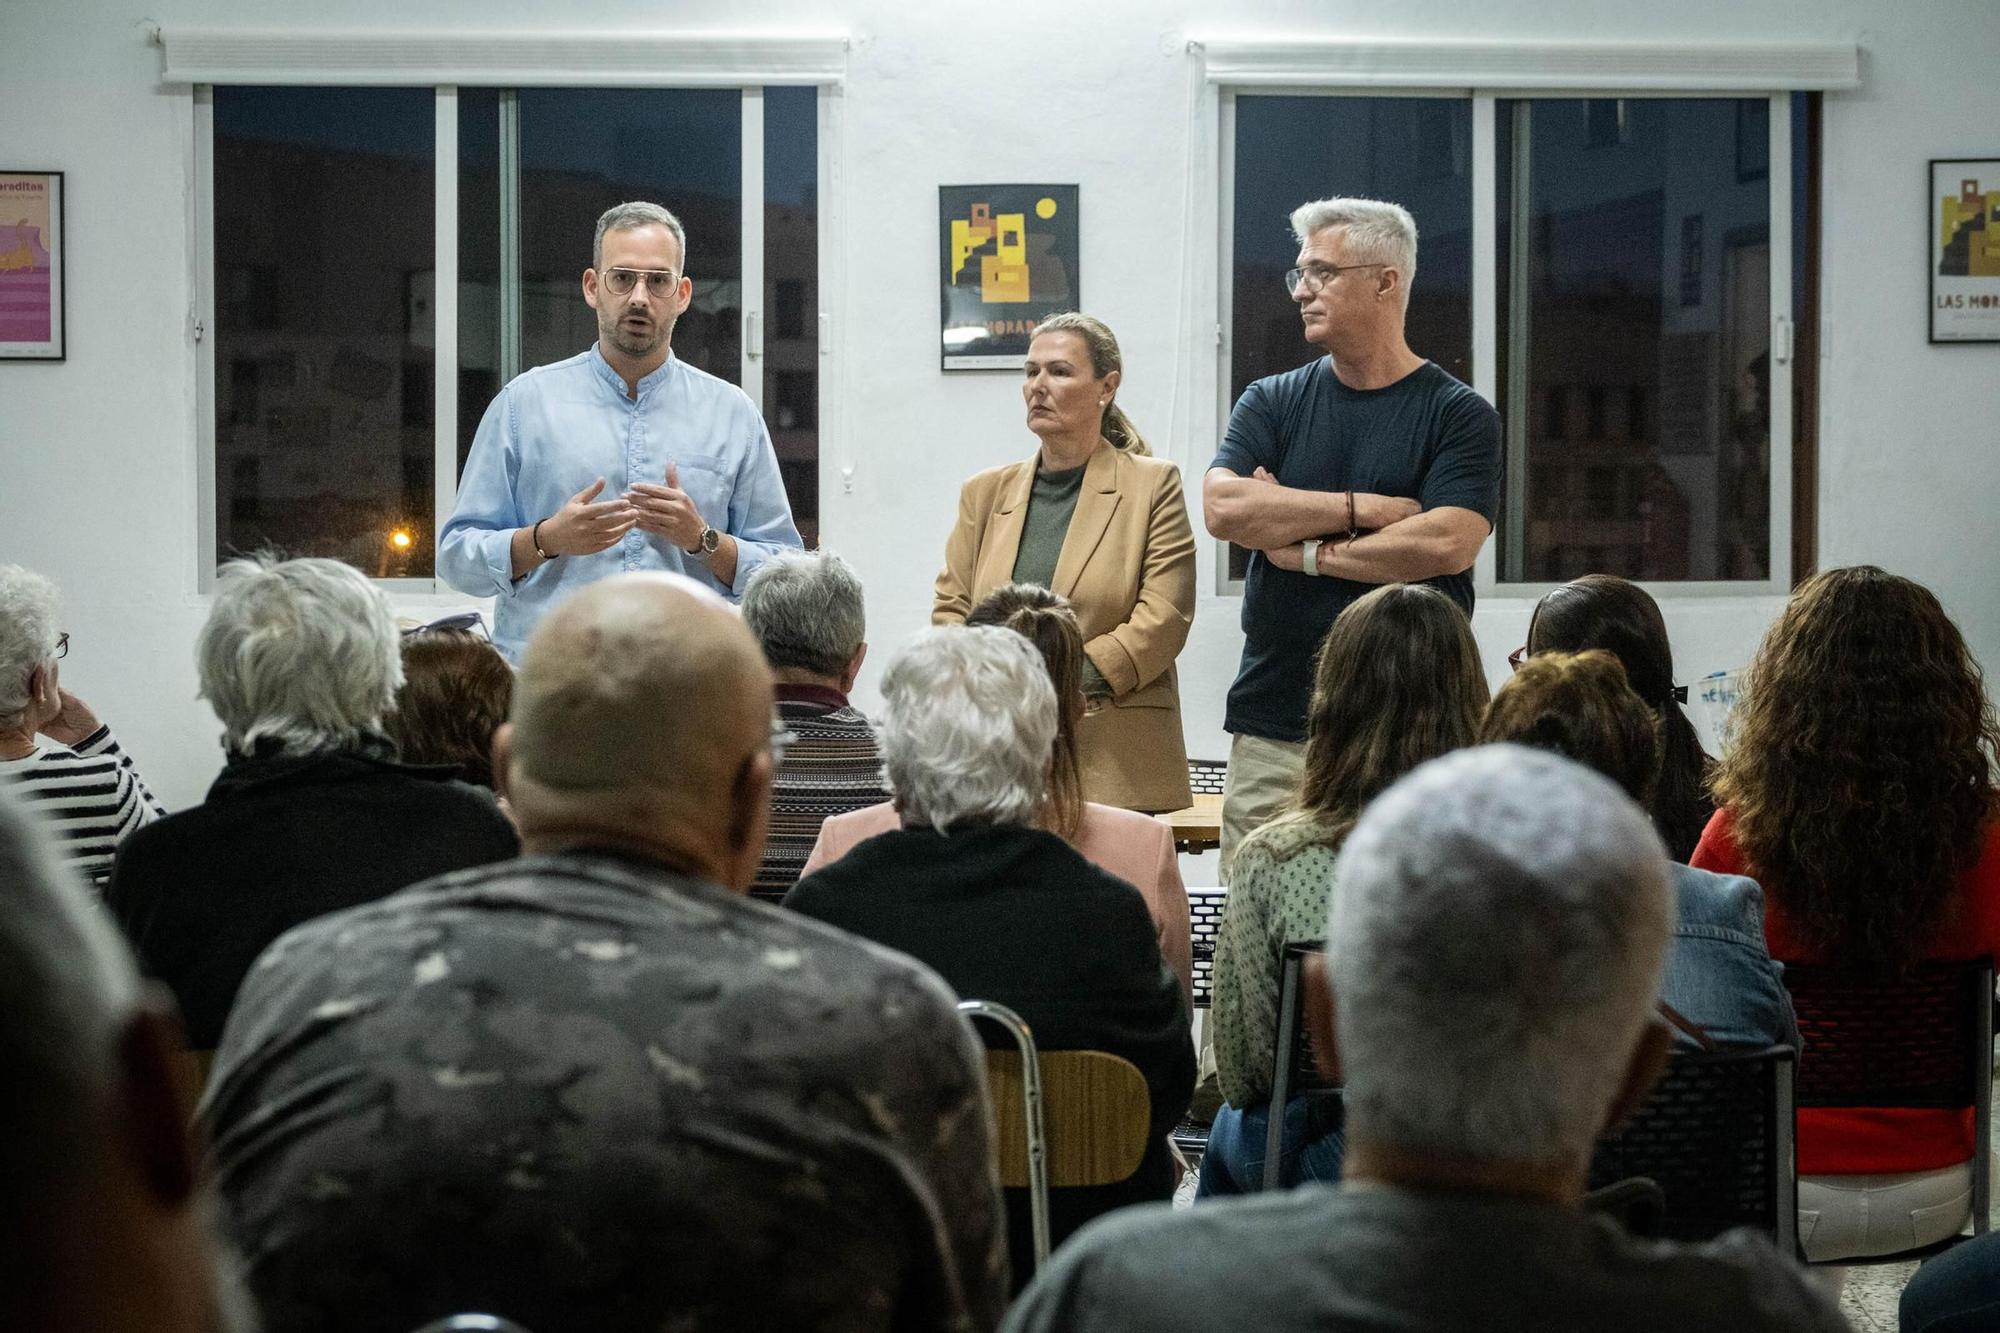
(1263, 780)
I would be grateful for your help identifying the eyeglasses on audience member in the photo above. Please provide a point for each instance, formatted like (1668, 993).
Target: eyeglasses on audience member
(461, 622)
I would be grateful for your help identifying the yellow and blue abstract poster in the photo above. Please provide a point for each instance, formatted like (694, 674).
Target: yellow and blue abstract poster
(1965, 251)
(31, 269)
(1008, 258)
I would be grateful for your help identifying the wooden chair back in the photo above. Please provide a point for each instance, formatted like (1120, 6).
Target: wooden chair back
(1097, 1113)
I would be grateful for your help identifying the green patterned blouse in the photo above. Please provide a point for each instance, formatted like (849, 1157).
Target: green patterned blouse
(1279, 888)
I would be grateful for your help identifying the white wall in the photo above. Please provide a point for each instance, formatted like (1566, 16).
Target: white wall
(97, 456)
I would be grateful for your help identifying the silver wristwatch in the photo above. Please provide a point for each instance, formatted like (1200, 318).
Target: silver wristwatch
(710, 542)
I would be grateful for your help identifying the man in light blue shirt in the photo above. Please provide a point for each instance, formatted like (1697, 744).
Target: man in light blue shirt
(692, 481)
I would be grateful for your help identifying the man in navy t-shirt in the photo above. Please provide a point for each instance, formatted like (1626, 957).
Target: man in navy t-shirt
(1369, 466)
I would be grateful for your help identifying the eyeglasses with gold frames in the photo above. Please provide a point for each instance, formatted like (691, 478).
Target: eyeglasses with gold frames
(659, 281)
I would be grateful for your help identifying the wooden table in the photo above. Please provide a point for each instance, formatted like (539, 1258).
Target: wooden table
(1199, 827)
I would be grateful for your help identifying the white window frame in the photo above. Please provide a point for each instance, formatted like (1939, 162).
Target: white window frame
(200, 59)
(1486, 73)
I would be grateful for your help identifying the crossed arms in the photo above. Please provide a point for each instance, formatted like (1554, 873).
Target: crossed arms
(1399, 542)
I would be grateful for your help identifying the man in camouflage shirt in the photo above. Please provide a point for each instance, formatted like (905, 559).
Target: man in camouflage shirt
(595, 1089)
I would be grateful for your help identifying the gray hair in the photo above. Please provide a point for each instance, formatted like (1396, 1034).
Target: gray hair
(1498, 925)
(303, 652)
(968, 722)
(630, 217)
(27, 637)
(67, 985)
(1377, 232)
(805, 609)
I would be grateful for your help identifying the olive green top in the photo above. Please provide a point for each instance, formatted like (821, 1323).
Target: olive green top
(1279, 891)
(1051, 506)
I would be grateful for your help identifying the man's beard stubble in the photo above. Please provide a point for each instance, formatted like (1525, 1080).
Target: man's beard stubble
(635, 343)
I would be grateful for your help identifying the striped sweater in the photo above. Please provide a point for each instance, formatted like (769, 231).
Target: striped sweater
(89, 797)
(831, 767)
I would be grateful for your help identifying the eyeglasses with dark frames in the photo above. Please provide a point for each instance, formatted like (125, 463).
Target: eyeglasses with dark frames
(1315, 276)
(659, 281)
(62, 646)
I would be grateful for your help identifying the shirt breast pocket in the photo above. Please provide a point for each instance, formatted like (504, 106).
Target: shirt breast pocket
(705, 478)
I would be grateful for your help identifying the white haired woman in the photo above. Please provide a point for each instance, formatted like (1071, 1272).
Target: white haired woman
(312, 812)
(1003, 910)
(61, 759)
(1093, 518)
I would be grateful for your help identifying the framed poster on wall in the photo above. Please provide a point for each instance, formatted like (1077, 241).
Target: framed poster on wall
(1007, 258)
(1964, 214)
(31, 266)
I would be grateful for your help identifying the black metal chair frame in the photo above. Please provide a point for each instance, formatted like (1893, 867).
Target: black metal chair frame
(1970, 1084)
(1293, 1071)
(1662, 1145)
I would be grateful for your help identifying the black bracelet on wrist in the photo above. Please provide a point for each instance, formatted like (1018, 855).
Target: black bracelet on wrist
(535, 539)
(1350, 516)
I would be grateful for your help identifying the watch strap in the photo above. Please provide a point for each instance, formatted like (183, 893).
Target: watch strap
(1311, 547)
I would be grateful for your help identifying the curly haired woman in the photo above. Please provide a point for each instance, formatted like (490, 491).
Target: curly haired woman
(1859, 794)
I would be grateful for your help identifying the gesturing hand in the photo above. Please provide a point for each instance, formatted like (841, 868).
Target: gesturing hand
(667, 510)
(583, 528)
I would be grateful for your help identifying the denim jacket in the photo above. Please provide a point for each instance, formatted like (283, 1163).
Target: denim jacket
(1720, 975)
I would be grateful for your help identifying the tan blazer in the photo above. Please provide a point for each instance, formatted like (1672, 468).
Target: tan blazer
(1127, 566)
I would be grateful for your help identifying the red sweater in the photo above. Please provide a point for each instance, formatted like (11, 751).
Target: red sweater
(1836, 1142)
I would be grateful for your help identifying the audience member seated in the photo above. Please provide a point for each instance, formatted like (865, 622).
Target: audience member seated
(1134, 847)
(1493, 947)
(1004, 910)
(1858, 793)
(807, 613)
(311, 812)
(1955, 1292)
(1398, 682)
(52, 747)
(99, 1200)
(456, 692)
(1605, 611)
(1719, 979)
(598, 1088)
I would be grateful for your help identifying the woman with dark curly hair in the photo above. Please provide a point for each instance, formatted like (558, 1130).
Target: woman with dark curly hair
(1859, 794)
(1605, 611)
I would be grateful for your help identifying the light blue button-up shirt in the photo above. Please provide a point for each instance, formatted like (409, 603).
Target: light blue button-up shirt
(555, 429)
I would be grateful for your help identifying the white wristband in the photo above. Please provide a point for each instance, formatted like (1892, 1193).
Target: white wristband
(1311, 548)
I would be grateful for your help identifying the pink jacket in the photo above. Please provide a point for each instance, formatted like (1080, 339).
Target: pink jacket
(1136, 848)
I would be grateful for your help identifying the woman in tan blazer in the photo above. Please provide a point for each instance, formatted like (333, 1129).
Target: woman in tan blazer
(1094, 518)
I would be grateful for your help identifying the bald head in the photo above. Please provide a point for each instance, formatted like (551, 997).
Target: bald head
(638, 702)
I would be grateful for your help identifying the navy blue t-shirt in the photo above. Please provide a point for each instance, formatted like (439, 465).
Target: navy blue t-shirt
(1426, 437)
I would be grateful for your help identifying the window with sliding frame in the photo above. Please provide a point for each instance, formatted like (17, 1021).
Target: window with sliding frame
(1617, 274)
(374, 263)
